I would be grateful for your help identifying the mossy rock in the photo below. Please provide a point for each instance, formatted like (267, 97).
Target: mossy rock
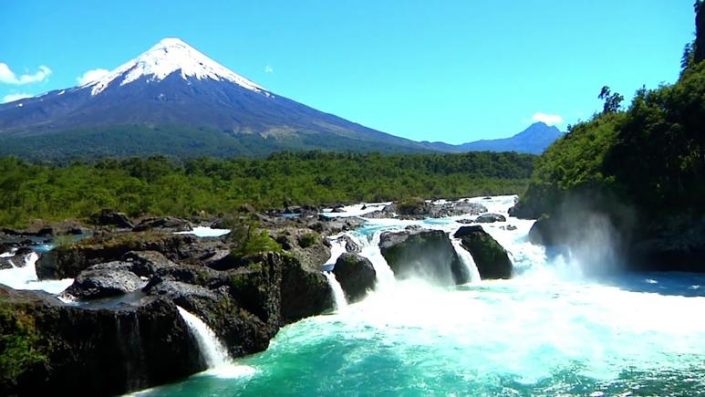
(490, 257)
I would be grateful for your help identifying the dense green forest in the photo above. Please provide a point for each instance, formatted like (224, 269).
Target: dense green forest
(650, 155)
(160, 186)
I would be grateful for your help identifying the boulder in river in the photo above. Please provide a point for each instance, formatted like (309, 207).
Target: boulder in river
(490, 257)
(355, 274)
(491, 218)
(105, 280)
(164, 224)
(427, 254)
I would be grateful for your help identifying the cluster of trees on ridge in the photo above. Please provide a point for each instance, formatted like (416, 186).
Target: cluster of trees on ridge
(213, 187)
(651, 155)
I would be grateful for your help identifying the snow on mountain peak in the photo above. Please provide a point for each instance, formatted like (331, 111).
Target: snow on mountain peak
(165, 58)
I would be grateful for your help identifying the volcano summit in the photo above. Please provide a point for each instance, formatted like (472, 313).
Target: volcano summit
(174, 100)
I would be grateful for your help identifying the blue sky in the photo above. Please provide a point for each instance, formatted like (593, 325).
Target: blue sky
(447, 70)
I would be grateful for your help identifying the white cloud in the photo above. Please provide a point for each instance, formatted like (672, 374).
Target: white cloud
(550, 119)
(14, 97)
(268, 69)
(91, 75)
(7, 76)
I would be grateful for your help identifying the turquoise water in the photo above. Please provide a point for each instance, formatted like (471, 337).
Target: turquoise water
(639, 336)
(550, 331)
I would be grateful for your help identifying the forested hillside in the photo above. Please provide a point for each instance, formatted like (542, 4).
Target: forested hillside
(160, 186)
(643, 166)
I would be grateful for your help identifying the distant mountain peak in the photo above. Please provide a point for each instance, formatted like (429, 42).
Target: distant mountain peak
(534, 139)
(166, 57)
(540, 128)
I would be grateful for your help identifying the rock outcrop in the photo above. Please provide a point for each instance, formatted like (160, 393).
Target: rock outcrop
(427, 254)
(491, 218)
(490, 257)
(126, 298)
(108, 217)
(51, 348)
(356, 275)
(304, 292)
(105, 280)
(163, 224)
(421, 209)
(70, 260)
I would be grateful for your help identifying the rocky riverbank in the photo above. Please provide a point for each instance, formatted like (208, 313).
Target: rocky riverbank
(131, 275)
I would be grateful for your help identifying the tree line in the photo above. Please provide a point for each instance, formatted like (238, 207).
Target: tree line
(214, 187)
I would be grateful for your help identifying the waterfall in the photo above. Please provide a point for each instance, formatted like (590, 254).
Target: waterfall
(338, 295)
(467, 260)
(337, 248)
(370, 250)
(215, 354)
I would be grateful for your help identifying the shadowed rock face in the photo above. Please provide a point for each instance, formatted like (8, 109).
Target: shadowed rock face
(426, 254)
(70, 350)
(490, 257)
(304, 292)
(355, 274)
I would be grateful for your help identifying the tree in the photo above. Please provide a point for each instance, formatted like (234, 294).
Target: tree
(613, 100)
(688, 56)
(699, 46)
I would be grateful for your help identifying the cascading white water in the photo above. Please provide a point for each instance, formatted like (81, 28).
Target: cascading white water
(338, 294)
(370, 250)
(25, 277)
(467, 260)
(337, 248)
(215, 354)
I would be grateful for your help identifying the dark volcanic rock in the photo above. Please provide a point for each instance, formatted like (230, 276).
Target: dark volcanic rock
(68, 261)
(19, 259)
(491, 218)
(105, 280)
(164, 224)
(427, 254)
(7, 263)
(108, 217)
(220, 260)
(147, 263)
(421, 209)
(304, 291)
(355, 274)
(677, 245)
(350, 245)
(547, 231)
(81, 351)
(180, 292)
(305, 245)
(490, 257)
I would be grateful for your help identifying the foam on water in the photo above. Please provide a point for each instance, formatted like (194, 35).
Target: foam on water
(548, 331)
(203, 231)
(355, 210)
(25, 278)
(337, 248)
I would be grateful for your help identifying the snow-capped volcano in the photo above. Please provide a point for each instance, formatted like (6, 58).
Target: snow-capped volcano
(174, 100)
(166, 57)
